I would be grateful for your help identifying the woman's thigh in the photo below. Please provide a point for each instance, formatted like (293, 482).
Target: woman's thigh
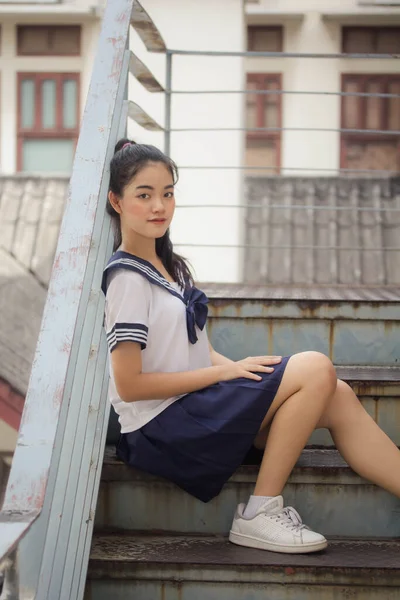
(303, 369)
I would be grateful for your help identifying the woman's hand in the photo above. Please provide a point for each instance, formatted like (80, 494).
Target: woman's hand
(249, 367)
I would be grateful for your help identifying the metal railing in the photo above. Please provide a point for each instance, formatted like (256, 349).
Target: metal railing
(47, 518)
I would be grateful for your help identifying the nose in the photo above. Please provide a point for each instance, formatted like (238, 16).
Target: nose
(158, 205)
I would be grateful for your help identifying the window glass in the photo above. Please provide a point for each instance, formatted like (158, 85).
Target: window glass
(359, 41)
(388, 41)
(49, 103)
(372, 155)
(251, 114)
(32, 40)
(374, 106)
(48, 155)
(27, 103)
(265, 39)
(271, 105)
(351, 106)
(47, 40)
(371, 40)
(66, 40)
(394, 106)
(262, 153)
(70, 103)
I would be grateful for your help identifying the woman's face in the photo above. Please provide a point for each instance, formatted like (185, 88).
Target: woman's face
(148, 202)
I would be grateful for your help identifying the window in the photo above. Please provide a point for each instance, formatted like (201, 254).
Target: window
(371, 40)
(261, 38)
(48, 121)
(263, 110)
(48, 40)
(372, 150)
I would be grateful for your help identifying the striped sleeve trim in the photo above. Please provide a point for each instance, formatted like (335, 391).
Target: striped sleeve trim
(127, 332)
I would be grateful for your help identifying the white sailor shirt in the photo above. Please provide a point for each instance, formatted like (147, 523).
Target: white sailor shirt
(167, 321)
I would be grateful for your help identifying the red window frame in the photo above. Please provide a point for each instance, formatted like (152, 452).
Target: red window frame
(362, 80)
(276, 136)
(38, 132)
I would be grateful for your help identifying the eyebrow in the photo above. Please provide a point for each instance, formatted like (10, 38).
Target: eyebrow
(149, 187)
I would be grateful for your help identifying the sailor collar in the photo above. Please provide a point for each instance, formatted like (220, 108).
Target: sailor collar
(194, 299)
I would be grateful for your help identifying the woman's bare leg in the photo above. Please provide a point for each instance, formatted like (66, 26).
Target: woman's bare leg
(306, 390)
(361, 442)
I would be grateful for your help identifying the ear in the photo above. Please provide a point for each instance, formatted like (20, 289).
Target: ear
(115, 202)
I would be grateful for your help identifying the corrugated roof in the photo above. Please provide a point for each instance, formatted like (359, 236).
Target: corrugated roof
(348, 228)
(31, 210)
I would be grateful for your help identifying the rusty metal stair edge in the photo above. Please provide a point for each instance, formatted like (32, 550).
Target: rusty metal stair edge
(215, 559)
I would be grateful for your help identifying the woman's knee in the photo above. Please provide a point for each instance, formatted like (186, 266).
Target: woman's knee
(317, 370)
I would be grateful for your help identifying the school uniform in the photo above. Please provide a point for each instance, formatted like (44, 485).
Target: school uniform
(196, 440)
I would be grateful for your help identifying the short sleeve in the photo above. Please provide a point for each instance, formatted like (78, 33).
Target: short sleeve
(127, 309)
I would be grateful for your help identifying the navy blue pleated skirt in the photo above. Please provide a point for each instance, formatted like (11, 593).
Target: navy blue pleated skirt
(199, 441)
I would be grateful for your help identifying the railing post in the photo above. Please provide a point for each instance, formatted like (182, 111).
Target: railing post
(168, 102)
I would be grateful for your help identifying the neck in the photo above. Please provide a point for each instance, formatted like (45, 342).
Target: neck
(140, 246)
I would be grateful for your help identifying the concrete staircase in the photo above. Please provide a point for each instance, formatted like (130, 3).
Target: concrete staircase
(155, 542)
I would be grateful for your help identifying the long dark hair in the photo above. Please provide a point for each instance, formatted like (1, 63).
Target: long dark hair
(129, 158)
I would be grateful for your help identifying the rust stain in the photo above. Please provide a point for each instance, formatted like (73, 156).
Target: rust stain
(58, 396)
(66, 347)
(376, 410)
(331, 338)
(290, 571)
(390, 326)
(115, 41)
(270, 337)
(308, 308)
(36, 498)
(116, 68)
(122, 17)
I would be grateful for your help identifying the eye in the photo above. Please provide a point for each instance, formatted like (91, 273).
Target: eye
(143, 196)
(169, 195)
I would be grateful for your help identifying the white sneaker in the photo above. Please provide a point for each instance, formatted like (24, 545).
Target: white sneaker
(275, 528)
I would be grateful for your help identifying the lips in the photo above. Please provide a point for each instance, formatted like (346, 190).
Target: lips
(157, 221)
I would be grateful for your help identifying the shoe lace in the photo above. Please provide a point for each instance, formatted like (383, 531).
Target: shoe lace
(290, 518)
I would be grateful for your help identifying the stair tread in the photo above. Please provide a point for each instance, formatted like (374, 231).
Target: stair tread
(312, 293)
(371, 374)
(312, 460)
(211, 551)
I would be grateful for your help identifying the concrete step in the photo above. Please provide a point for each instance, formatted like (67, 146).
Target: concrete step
(205, 568)
(327, 494)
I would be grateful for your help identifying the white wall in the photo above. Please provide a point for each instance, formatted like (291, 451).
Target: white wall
(206, 25)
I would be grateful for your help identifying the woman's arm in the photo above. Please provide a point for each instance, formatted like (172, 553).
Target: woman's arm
(218, 359)
(133, 385)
